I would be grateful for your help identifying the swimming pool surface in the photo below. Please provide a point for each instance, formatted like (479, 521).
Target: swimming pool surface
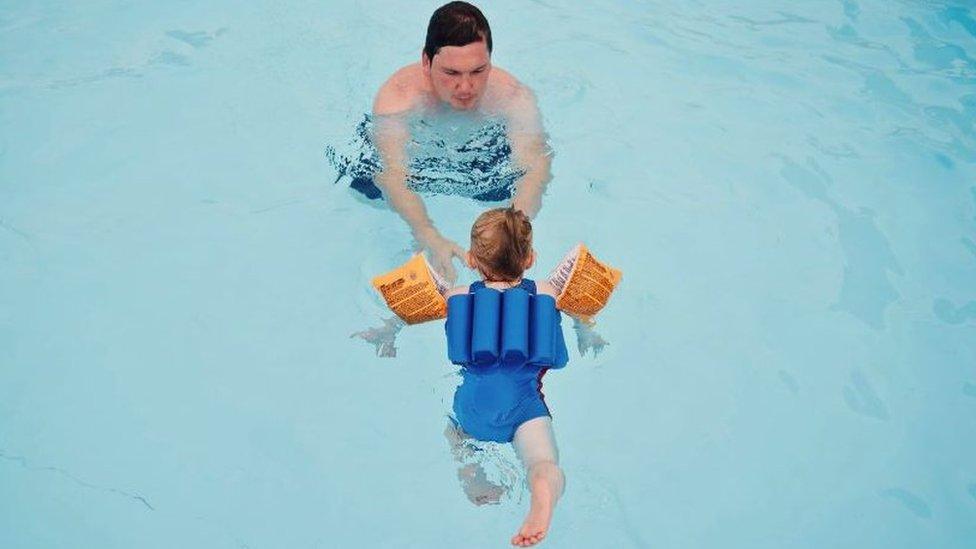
(789, 188)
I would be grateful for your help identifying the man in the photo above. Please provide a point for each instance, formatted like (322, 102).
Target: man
(455, 73)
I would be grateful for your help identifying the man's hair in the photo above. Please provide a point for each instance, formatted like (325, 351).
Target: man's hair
(456, 24)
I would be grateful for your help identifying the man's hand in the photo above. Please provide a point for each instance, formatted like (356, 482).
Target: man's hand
(527, 199)
(442, 251)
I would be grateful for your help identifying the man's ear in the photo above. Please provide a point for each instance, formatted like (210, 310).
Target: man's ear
(425, 61)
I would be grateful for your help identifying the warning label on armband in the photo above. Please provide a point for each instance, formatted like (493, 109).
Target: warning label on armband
(414, 291)
(583, 282)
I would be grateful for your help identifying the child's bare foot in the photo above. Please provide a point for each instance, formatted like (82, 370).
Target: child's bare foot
(536, 525)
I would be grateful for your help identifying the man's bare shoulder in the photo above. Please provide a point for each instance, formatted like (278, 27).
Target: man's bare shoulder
(509, 95)
(504, 84)
(401, 92)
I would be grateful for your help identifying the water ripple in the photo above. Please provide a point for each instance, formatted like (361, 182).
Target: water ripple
(67, 474)
(861, 397)
(909, 501)
(949, 313)
(866, 291)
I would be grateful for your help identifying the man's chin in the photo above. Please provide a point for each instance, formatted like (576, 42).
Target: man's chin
(463, 105)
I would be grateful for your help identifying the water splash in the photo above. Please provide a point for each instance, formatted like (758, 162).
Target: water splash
(489, 472)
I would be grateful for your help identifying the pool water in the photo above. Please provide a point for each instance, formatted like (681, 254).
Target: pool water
(789, 188)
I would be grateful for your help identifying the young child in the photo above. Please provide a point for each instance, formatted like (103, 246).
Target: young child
(504, 403)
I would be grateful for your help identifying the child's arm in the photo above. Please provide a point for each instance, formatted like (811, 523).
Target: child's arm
(544, 287)
(586, 338)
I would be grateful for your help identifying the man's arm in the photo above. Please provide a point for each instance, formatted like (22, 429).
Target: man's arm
(529, 150)
(390, 135)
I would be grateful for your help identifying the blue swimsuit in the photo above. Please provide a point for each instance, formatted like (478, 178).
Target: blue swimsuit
(506, 341)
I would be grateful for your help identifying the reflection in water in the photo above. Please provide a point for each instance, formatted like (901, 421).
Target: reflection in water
(473, 162)
(866, 291)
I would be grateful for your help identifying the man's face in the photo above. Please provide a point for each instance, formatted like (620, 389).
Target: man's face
(459, 74)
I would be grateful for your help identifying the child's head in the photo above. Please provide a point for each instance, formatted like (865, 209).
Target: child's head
(501, 244)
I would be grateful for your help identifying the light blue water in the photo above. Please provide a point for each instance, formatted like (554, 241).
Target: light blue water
(789, 188)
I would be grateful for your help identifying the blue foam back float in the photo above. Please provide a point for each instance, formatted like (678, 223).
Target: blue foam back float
(488, 327)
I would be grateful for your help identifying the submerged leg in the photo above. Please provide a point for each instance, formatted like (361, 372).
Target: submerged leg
(474, 481)
(535, 444)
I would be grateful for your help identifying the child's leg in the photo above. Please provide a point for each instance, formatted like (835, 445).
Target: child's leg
(535, 444)
(474, 481)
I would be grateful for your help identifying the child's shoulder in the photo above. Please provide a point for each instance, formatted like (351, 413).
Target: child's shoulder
(541, 287)
(545, 288)
(457, 290)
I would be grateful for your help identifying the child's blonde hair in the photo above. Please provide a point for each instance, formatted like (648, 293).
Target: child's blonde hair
(501, 244)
